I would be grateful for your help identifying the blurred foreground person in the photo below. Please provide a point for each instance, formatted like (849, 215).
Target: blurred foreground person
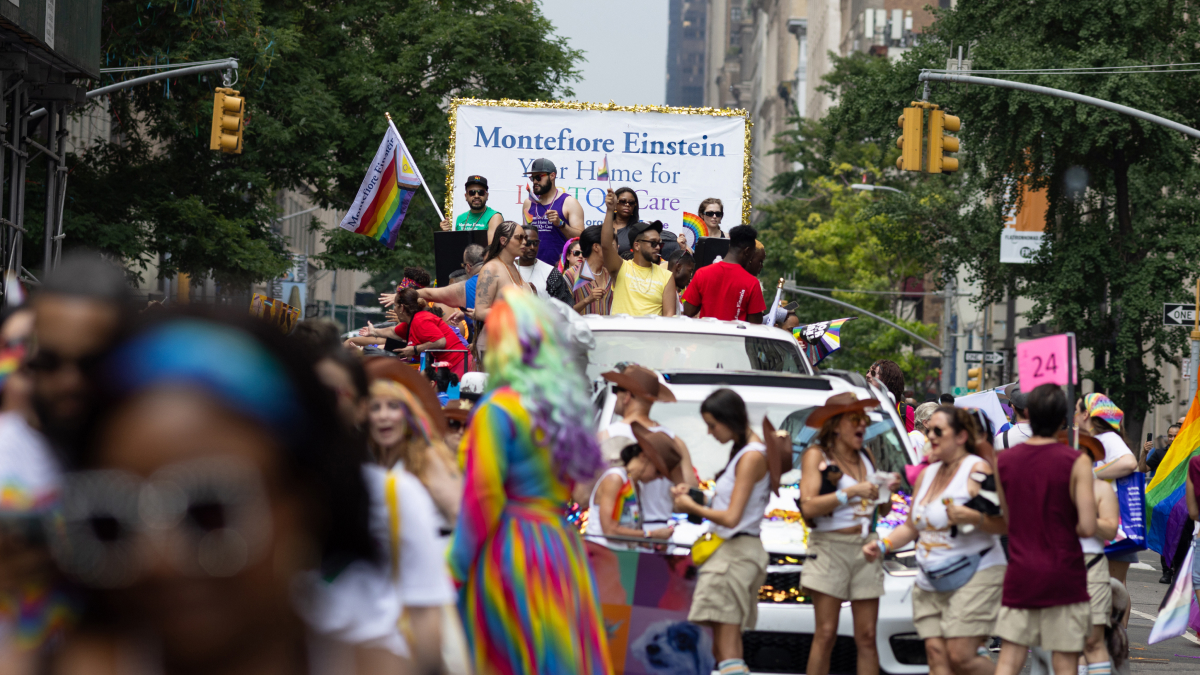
(527, 596)
(213, 474)
(78, 312)
(35, 607)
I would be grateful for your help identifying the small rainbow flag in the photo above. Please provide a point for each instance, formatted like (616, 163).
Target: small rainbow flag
(625, 497)
(382, 201)
(696, 225)
(10, 360)
(603, 174)
(822, 338)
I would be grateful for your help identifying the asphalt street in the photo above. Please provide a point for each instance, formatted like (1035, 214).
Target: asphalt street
(1177, 655)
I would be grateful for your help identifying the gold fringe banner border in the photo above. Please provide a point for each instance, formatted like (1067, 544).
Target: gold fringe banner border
(602, 107)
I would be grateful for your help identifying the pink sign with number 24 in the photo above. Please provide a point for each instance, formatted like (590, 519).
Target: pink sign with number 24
(1048, 360)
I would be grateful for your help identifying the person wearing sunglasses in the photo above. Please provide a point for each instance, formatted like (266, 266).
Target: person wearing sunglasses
(838, 494)
(557, 215)
(479, 216)
(960, 563)
(725, 290)
(212, 488)
(642, 285)
(713, 212)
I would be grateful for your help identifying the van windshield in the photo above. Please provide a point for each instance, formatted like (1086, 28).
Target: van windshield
(693, 351)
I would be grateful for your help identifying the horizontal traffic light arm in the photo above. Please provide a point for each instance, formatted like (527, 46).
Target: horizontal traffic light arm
(226, 64)
(1059, 93)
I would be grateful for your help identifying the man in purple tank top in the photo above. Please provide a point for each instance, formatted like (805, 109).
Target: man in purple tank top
(1046, 493)
(557, 215)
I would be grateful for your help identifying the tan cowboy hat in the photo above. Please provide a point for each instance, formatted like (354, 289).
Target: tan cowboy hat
(658, 447)
(838, 404)
(779, 453)
(642, 383)
(1087, 443)
(456, 413)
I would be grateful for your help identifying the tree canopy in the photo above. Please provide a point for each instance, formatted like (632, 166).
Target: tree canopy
(1118, 245)
(317, 79)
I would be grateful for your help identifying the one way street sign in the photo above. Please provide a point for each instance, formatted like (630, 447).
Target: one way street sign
(993, 358)
(1177, 314)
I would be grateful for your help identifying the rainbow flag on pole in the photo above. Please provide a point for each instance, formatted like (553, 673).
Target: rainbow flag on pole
(1166, 509)
(379, 208)
(602, 175)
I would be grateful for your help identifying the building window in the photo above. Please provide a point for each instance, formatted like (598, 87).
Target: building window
(735, 13)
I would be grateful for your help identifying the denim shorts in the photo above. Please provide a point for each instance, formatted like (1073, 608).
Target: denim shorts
(1196, 562)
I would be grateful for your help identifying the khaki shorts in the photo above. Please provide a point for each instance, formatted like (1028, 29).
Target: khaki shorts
(727, 587)
(1099, 591)
(967, 611)
(840, 569)
(1057, 629)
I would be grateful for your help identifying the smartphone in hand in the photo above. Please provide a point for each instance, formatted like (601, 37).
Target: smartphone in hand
(696, 495)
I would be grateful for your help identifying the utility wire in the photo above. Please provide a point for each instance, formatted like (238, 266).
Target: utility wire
(1105, 70)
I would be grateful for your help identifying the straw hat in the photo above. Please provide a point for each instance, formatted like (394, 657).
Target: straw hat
(779, 453)
(1087, 443)
(658, 447)
(838, 404)
(642, 383)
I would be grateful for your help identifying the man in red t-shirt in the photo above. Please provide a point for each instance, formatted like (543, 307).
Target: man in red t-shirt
(725, 290)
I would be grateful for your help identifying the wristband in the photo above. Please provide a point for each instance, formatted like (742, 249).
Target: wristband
(883, 546)
(842, 497)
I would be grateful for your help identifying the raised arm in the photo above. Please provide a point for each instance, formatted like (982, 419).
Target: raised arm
(608, 237)
(454, 295)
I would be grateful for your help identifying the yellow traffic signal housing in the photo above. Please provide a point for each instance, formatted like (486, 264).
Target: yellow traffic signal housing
(939, 142)
(912, 123)
(229, 109)
(974, 375)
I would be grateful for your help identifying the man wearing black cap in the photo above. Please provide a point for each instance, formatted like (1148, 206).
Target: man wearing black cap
(557, 215)
(480, 216)
(1020, 430)
(643, 285)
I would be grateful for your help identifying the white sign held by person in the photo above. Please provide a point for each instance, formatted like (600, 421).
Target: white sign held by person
(673, 158)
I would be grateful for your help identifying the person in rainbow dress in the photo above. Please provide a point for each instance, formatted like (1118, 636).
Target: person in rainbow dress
(527, 596)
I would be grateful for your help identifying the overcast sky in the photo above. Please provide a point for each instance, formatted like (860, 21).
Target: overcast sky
(625, 44)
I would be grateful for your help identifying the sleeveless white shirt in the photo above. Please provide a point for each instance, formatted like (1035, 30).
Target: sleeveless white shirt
(934, 543)
(855, 513)
(630, 517)
(756, 506)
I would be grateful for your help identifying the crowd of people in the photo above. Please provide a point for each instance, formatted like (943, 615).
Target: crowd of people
(187, 491)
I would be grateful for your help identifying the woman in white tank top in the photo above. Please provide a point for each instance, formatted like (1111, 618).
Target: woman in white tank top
(726, 595)
(960, 561)
(614, 507)
(837, 499)
(1108, 519)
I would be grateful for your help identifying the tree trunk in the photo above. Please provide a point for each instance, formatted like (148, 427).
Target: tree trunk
(1133, 370)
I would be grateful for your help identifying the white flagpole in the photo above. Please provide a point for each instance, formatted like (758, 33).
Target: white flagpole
(769, 317)
(416, 168)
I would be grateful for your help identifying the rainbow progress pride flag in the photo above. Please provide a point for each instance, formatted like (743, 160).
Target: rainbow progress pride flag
(1166, 509)
(382, 201)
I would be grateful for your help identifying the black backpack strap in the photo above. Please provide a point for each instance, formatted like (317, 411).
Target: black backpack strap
(1006, 437)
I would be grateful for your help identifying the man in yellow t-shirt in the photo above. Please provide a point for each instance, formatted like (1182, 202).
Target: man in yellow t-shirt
(642, 285)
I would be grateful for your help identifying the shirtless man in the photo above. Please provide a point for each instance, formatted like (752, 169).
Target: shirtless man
(557, 215)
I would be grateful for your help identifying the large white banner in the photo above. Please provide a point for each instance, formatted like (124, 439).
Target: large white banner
(672, 157)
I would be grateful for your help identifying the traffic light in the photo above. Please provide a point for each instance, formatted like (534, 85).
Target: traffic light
(911, 122)
(228, 110)
(939, 142)
(973, 377)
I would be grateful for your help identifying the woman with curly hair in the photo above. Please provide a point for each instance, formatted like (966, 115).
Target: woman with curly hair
(527, 597)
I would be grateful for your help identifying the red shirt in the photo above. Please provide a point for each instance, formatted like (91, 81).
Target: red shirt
(427, 327)
(725, 291)
(1045, 560)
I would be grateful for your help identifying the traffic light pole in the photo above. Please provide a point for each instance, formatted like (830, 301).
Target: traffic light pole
(928, 77)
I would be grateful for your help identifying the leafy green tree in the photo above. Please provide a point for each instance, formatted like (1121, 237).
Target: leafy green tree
(317, 78)
(1119, 243)
(826, 235)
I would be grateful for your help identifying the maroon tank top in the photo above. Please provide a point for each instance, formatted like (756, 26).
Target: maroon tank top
(1045, 561)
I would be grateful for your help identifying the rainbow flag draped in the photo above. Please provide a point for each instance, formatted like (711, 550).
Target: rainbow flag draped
(1172, 619)
(382, 201)
(1166, 509)
(626, 497)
